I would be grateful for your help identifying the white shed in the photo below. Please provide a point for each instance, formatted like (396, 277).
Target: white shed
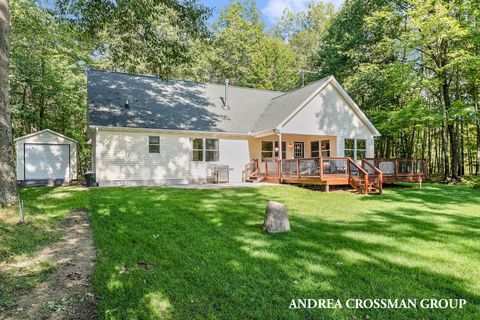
(46, 156)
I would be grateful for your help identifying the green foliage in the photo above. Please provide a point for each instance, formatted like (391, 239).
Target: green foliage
(238, 34)
(410, 66)
(304, 31)
(48, 84)
(272, 66)
(151, 36)
(241, 51)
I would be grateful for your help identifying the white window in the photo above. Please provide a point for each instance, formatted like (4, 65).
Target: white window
(153, 144)
(361, 152)
(325, 148)
(315, 148)
(270, 149)
(355, 148)
(205, 150)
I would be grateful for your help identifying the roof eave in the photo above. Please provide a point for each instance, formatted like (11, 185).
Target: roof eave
(173, 131)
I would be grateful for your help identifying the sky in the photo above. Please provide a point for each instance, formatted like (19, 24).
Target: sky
(271, 9)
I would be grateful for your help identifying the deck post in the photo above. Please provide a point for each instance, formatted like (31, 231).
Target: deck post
(298, 168)
(327, 188)
(320, 167)
(278, 169)
(396, 168)
(366, 184)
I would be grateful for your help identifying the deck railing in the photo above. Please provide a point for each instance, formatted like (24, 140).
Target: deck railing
(364, 177)
(401, 167)
(313, 167)
(357, 176)
(251, 169)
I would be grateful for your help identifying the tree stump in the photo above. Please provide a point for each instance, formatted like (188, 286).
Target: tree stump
(276, 218)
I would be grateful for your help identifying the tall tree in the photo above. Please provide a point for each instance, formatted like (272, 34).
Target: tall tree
(150, 36)
(47, 74)
(304, 30)
(413, 67)
(237, 36)
(273, 66)
(8, 183)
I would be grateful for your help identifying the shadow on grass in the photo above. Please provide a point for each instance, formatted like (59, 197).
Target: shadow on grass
(211, 259)
(433, 195)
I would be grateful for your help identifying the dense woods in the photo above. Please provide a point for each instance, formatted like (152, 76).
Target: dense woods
(412, 66)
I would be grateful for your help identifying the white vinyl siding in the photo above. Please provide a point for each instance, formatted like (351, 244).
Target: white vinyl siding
(123, 159)
(328, 113)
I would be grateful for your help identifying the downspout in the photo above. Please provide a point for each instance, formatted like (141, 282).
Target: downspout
(280, 149)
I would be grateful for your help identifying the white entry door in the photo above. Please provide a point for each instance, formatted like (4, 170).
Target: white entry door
(47, 161)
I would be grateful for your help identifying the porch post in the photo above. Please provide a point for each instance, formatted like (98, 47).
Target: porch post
(280, 152)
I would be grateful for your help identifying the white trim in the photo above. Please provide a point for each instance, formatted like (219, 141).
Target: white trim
(263, 133)
(42, 131)
(174, 131)
(204, 149)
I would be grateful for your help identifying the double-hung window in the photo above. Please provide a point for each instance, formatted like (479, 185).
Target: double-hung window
(314, 149)
(153, 144)
(361, 152)
(320, 148)
(356, 148)
(325, 148)
(284, 149)
(205, 150)
(270, 149)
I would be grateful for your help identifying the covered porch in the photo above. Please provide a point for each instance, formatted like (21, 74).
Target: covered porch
(292, 146)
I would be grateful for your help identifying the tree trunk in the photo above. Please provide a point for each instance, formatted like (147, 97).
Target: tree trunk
(446, 127)
(8, 181)
(477, 165)
(461, 165)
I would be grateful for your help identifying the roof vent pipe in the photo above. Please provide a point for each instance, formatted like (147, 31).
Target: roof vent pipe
(226, 94)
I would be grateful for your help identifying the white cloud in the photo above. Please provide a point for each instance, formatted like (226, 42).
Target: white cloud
(274, 9)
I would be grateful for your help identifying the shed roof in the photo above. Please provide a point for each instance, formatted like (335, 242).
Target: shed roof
(44, 131)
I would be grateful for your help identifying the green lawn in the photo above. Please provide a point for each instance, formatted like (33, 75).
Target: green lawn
(211, 260)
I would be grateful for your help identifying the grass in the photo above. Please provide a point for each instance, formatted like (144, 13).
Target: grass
(209, 259)
(44, 208)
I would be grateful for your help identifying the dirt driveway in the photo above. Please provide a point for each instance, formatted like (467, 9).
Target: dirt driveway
(67, 292)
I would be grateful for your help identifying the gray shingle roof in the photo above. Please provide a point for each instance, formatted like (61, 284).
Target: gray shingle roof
(282, 106)
(183, 105)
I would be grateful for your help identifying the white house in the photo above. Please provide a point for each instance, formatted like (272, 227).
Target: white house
(148, 131)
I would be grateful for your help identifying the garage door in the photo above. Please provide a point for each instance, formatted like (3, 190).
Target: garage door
(47, 161)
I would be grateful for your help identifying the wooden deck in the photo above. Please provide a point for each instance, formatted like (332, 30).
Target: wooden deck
(365, 177)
